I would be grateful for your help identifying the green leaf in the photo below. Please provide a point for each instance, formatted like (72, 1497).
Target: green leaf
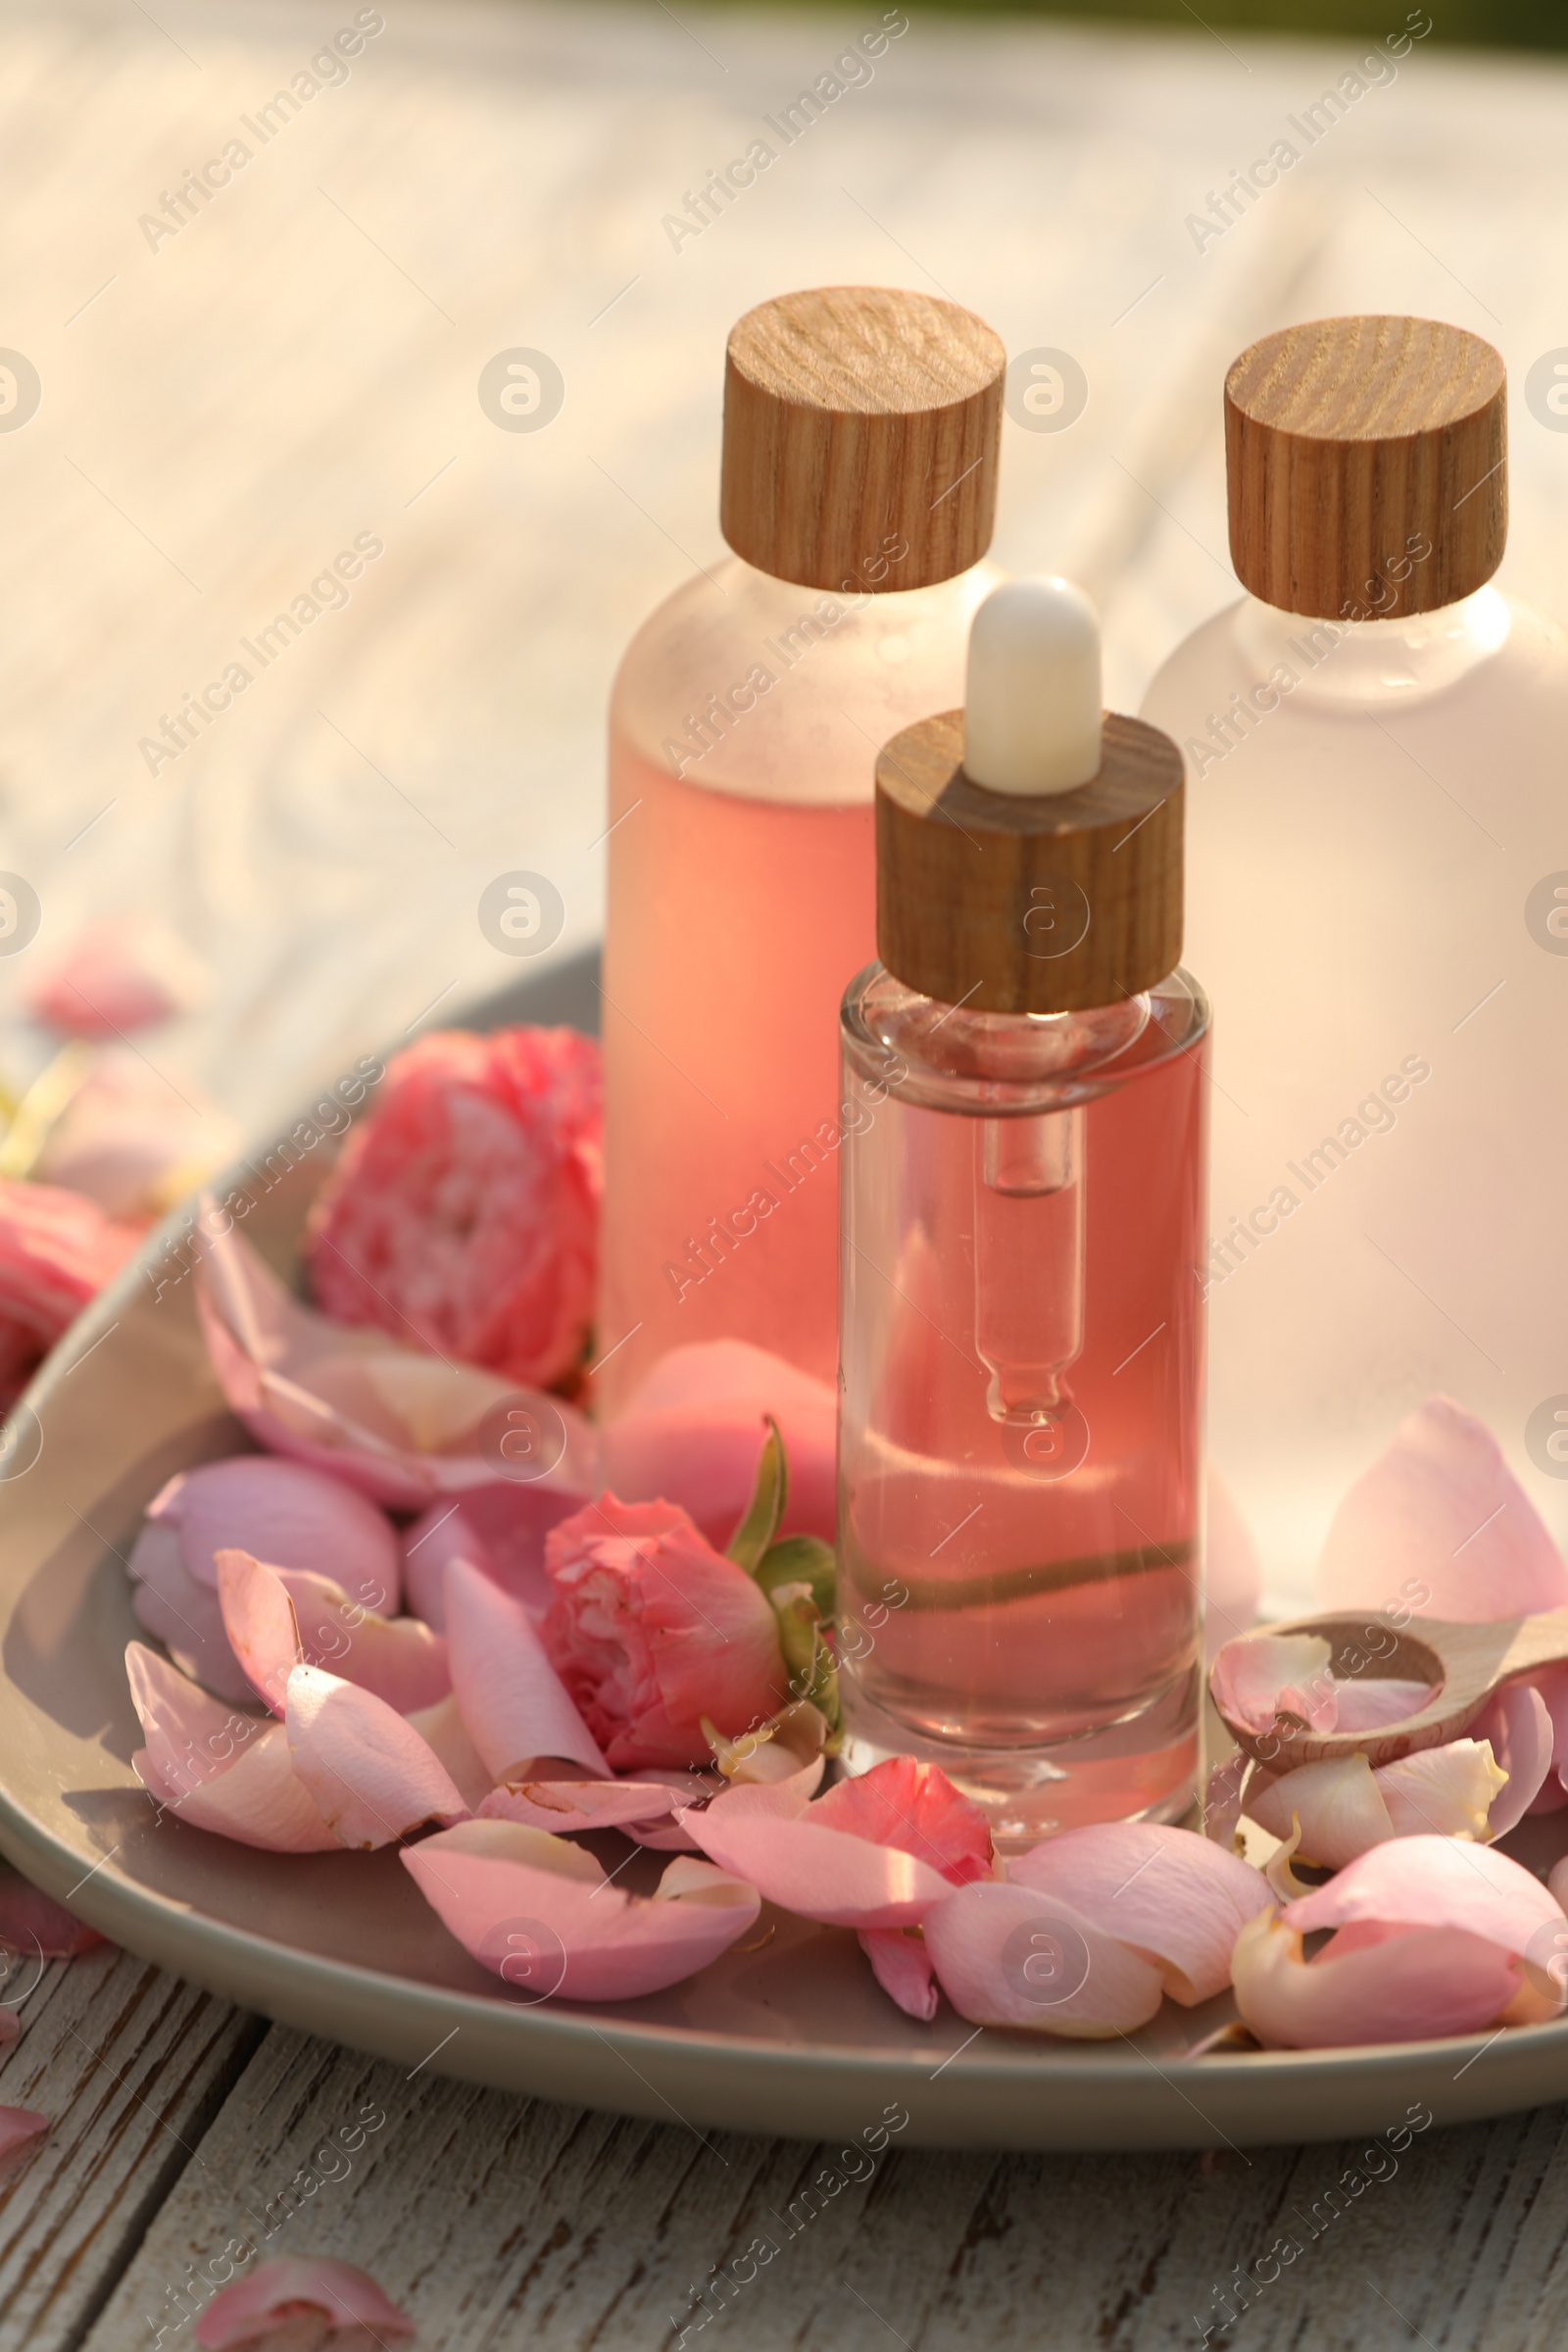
(765, 1509)
(800, 1561)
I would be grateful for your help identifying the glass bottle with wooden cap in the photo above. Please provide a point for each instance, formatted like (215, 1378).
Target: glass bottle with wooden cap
(1021, 1321)
(1374, 741)
(861, 430)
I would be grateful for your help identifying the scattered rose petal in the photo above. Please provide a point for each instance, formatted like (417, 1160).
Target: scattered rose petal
(373, 1778)
(776, 1750)
(1440, 1524)
(33, 1921)
(915, 1806)
(1364, 1704)
(57, 1250)
(901, 1965)
(286, 1514)
(186, 1616)
(692, 1433)
(217, 1769)
(400, 1426)
(1346, 1807)
(444, 1731)
(19, 2127)
(125, 972)
(1259, 1676)
(513, 1700)
(653, 1631)
(818, 1873)
(465, 1207)
(541, 1914)
(298, 2286)
(260, 1622)
(1233, 1577)
(1008, 1955)
(568, 1807)
(1177, 1899)
(399, 1658)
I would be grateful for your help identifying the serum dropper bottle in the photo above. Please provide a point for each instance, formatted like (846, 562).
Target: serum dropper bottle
(1022, 1320)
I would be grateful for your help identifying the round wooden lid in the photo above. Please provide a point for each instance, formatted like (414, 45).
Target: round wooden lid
(1050, 902)
(861, 430)
(1367, 466)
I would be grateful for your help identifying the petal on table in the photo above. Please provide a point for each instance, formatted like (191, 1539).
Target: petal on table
(1448, 1790)
(513, 1700)
(298, 2286)
(1440, 1524)
(186, 1616)
(1518, 1726)
(1178, 1899)
(541, 1914)
(1261, 1676)
(444, 1731)
(260, 1622)
(901, 1965)
(915, 1806)
(692, 1432)
(399, 1658)
(567, 1807)
(288, 1515)
(1339, 1805)
(819, 1874)
(1008, 1955)
(19, 2127)
(32, 1921)
(373, 1776)
(1410, 1986)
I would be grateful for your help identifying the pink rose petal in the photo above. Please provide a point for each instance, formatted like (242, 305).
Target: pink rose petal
(567, 1807)
(1260, 1676)
(124, 972)
(1427, 1882)
(216, 1769)
(19, 2127)
(901, 1965)
(1441, 1522)
(1361, 1704)
(57, 1250)
(32, 1921)
(542, 1915)
(498, 1529)
(399, 1658)
(513, 1700)
(400, 1426)
(446, 1734)
(1008, 1955)
(1176, 1898)
(297, 2286)
(260, 1622)
(288, 1515)
(186, 1616)
(1412, 1985)
(913, 1806)
(373, 1778)
(820, 1874)
(1338, 1804)
(692, 1433)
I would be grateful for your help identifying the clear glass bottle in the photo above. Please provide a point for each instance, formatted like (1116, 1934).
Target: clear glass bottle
(1021, 1310)
(1376, 829)
(743, 725)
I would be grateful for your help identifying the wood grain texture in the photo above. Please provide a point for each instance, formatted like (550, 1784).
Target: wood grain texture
(1013, 902)
(129, 2066)
(502, 2224)
(862, 427)
(1352, 444)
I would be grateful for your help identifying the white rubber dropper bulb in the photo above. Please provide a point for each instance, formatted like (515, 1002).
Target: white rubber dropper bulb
(1032, 700)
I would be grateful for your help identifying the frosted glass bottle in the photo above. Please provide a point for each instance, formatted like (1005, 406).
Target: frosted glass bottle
(1378, 900)
(861, 437)
(1020, 1426)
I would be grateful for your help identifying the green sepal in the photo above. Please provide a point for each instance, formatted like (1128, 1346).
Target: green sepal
(812, 1673)
(800, 1561)
(765, 1510)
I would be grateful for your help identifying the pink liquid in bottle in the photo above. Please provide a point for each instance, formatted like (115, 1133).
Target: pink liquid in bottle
(740, 892)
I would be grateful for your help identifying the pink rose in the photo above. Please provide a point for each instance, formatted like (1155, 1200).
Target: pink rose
(650, 1628)
(57, 1251)
(463, 1212)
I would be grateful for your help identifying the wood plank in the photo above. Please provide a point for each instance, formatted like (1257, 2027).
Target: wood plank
(131, 2066)
(496, 2221)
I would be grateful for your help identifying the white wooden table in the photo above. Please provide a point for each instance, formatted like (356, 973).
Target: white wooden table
(223, 410)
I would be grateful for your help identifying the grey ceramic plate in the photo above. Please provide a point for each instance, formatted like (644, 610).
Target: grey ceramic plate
(792, 2037)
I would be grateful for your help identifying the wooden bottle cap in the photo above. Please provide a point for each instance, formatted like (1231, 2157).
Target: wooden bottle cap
(1041, 903)
(1352, 445)
(858, 420)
